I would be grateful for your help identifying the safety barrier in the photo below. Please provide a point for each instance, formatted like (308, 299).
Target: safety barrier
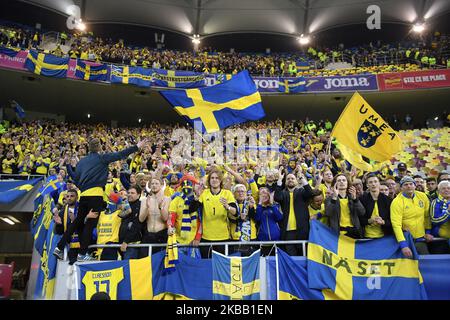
(150, 246)
(6, 176)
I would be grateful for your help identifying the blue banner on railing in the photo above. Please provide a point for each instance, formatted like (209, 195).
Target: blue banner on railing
(342, 83)
(187, 79)
(177, 79)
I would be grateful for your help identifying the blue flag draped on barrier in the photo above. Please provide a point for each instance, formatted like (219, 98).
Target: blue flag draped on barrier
(40, 223)
(138, 76)
(121, 280)
(293, 280)
(46, 278)
(145, 279)
(292, 85)
(236, 278)
(91, 72)
(354, 269)
(10, 52)
(47, 64)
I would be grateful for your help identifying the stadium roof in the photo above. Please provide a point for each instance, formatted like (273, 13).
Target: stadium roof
(216, 17)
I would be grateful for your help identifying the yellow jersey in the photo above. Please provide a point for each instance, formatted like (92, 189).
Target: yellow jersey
(320, 212)
(215, 223)
(374, 231)
(410, 214)
(108, 227)
(103, 281)
(345, 220)
(292, 221)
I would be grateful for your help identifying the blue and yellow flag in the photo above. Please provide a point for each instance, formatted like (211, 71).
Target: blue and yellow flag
(47, 64)
(10, 52)
(46, 278)
(292, 85)
(236, 278)
(293, 280)
(190, 280)
(361, 270)
(50, 187)
(178, 79)
(10, 191)
(138, 76)
(302, 65)
(121, 280)
(20, 112)
(146, 279)
(365, 132)
(40, 223)
(91, 72)
(220, 106)
(222, 77)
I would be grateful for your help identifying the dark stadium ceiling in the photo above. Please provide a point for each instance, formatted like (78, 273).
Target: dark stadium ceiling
(215, 17)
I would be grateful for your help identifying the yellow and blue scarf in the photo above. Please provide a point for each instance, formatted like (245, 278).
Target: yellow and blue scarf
(439, 214)
(171, 258)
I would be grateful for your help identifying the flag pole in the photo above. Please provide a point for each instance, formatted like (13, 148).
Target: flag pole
(328, 151)
(278, 272)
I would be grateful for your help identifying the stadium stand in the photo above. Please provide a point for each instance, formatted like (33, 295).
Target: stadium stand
(148, 203)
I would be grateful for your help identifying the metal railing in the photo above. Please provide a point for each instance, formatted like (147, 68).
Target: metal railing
(303, 243)
(209, 244)
(7, 176)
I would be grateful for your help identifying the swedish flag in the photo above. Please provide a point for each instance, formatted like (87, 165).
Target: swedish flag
(302, 65)
(178, 79)
(91, 72)
(365, 132)
(138, 76)
(222, 77)
(47, 64)
(220, 106)
(292, 85)
(236, 278)
(293, 280)
(50, 186)
(40, 223)
(10, 52)
(360, 270)
(10, 191)
(191, 279)
(46, 278)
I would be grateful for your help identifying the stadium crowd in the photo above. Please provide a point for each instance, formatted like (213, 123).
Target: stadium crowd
(366, 59)
(147, 197)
